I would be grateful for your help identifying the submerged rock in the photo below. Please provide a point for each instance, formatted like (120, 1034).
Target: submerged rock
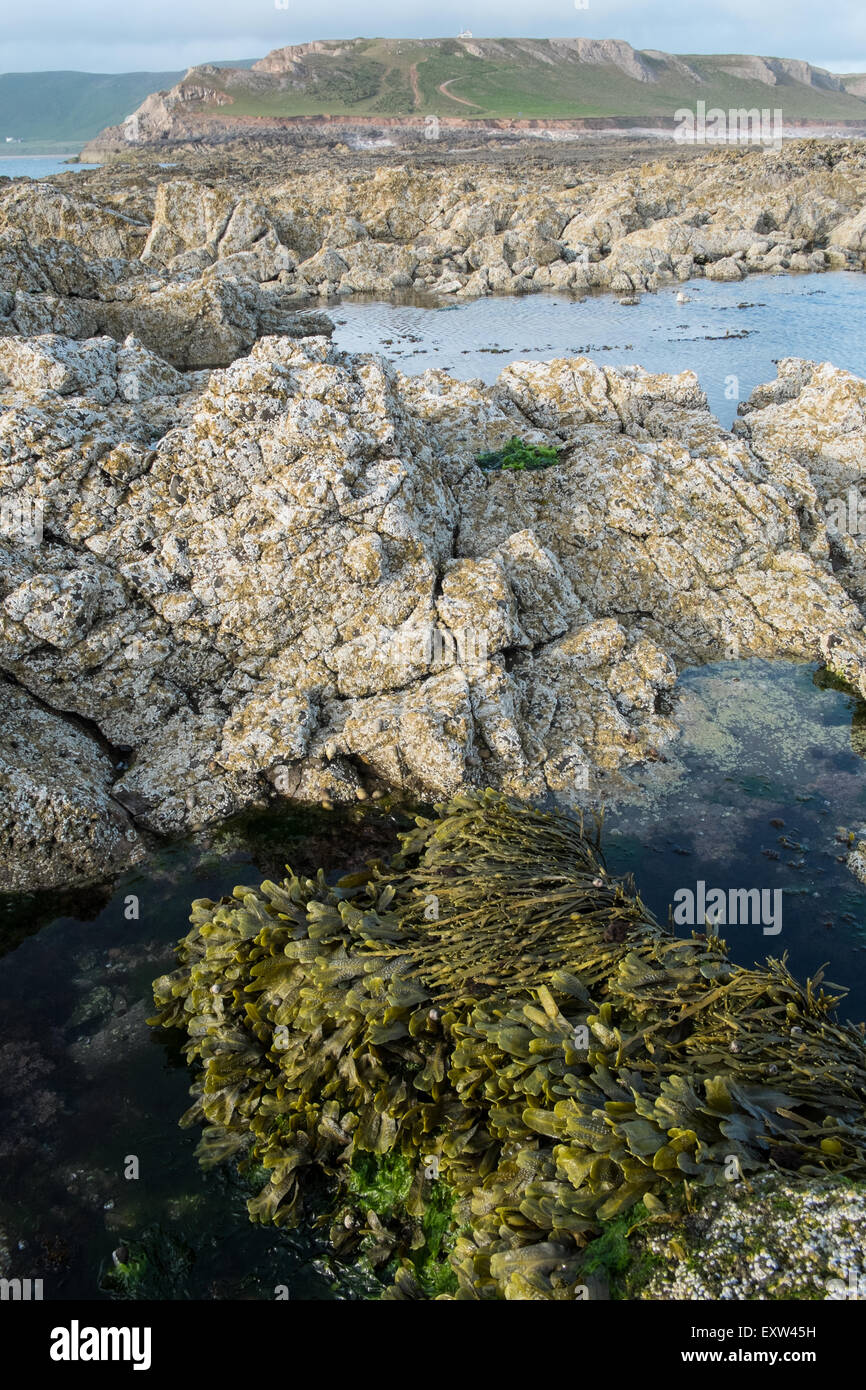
(496, 1009)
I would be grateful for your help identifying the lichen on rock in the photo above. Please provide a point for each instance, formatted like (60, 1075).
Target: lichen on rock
(289, 577)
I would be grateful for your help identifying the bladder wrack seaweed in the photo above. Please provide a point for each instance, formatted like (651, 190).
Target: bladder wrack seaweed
(540, 1052)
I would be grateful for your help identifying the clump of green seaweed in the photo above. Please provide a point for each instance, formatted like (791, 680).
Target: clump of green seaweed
(518, 457)
(508, 1030)
(153, 1266)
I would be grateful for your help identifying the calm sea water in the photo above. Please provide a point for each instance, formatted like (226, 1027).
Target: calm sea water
(730, 334)
(38, 166)
(767, 774)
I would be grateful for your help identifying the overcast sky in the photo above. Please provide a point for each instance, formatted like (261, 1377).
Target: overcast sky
(163, 35)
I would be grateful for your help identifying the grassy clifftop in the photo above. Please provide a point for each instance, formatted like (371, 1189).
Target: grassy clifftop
(510, 78)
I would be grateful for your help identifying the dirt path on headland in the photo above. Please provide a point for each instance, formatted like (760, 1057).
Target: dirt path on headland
(416, 90)
(443, 88)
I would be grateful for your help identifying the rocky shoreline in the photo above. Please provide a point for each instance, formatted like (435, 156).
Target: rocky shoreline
(294, 580)
(240, 565)
(134, 242)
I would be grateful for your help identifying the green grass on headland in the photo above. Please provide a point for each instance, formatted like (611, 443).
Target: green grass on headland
(510, 78)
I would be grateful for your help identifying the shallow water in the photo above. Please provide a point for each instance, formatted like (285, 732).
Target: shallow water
(39, 166)
(819, 317)
(84, 1083)
(756, 790)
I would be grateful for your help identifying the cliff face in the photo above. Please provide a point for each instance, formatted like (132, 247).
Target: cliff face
(774, 72)
(290, 60)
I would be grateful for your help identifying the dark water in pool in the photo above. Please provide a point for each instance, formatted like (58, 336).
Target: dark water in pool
(756, 795)
(85, 1084)
(819, 317)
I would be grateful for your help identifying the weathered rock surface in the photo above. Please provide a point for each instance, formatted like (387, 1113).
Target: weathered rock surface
(196, 314)
(813, 418)
(290, 578)
(59, 822)
(768, 1239)
(152, 254)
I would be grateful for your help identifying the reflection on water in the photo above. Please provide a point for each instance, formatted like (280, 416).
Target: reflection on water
(85, 1084)
(819, 317)
(753, 796)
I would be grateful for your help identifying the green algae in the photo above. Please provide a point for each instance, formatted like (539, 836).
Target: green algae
(493, 1050)
(518, 457)
(155, 1265)
(411, 1239)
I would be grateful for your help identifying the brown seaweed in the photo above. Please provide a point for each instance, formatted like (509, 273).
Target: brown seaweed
(497, 1009)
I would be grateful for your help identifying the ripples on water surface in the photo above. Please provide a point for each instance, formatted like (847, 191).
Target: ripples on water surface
(819, 317)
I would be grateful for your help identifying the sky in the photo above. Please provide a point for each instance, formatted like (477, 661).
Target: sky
(169, 35)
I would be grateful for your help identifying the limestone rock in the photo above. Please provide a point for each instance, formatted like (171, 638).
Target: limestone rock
(59, 824)
(289, 577)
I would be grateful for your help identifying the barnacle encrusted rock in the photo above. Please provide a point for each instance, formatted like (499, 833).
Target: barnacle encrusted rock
(289, 577)
(58, 819)
(199, 315)
(770, 1238)
(493, 1004)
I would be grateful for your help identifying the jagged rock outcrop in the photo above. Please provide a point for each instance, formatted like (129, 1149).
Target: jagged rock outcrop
(177, 249)
(290, 577)
(198, 309)
(59, 822)
(813, 418)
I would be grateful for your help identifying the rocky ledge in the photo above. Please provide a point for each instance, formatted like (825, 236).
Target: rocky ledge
(290, 578)
(235, 248)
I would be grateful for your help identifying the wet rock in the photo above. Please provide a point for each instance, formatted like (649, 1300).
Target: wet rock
(768, 1239)
(726, 269)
